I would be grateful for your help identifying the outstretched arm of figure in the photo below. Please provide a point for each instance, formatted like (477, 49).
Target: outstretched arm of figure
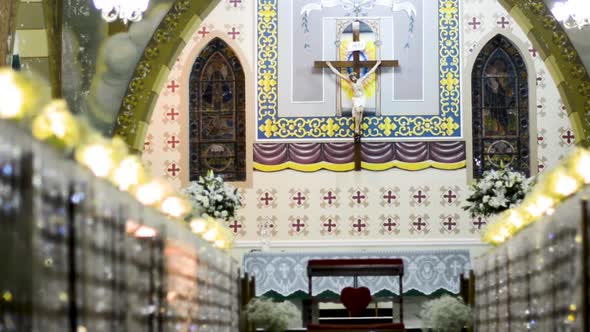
(337, 72)
(372, 70)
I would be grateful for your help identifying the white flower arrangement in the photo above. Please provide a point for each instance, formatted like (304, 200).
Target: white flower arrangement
(445, 314)
(271, 316)
(210, 196)
(496, 191)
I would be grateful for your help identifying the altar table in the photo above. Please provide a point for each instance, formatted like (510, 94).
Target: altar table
(425, 271)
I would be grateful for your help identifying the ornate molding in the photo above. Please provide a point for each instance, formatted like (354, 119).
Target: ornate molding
(157, 57)
(560, 57)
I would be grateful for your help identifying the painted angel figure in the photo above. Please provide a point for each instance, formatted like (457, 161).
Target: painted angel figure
(358, 93)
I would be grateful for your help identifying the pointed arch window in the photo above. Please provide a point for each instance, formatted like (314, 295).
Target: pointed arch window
(217, 114)
(500, 120)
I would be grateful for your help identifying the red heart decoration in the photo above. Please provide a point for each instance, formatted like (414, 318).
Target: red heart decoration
(356, 300)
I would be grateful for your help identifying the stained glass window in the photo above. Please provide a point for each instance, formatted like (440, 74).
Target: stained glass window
(500, 109)
(217, 114)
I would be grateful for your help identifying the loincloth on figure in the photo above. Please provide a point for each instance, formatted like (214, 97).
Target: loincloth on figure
(358, 103)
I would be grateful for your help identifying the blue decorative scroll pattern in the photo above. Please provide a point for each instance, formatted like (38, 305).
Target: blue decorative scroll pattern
(446, 124)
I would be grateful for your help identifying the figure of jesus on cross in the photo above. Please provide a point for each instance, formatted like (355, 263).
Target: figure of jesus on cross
(355, 80)
(358, 93)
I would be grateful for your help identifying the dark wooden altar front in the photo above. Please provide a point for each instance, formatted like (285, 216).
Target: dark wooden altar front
(355, 268)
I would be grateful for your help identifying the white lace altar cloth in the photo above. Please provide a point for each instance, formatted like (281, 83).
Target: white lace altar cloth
(424, 271)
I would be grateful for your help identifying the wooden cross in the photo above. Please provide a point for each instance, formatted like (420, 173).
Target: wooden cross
(357, 65)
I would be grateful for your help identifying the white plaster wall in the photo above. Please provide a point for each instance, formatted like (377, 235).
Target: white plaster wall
(374, 211)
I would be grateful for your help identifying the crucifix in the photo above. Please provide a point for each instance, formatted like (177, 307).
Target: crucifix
(355, 80)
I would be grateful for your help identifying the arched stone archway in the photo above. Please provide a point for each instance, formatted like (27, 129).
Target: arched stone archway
(154, 65)
(560, 57)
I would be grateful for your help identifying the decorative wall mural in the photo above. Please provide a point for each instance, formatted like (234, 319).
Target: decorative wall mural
(292, 35)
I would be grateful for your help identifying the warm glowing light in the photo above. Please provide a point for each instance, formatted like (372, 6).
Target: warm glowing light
(573, 307)
(98, 158)
(171, 296)
(533, 210)
(504, 232)
(582, 166)
(138, 230)
(198, 225)
(145, 232)
(150, 193)
(544, 203)
(7, 296)
(566, 185)
(11, 96)
(174, 206)
(219, 243)
(515, 219)
(210, 235)
(128, 173)
(56, 121)
(498, 238)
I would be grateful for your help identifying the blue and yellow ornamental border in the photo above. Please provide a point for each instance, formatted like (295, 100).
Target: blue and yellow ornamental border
(445, 124)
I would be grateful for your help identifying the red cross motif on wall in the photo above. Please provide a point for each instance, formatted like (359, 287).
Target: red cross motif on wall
(419, 197)
(329, 197)
(233, 33)
(503, 22)
(539, 80)
(389, 197)
(172, 86)
(329, 224)
(173, 169)
(474, 23)
(146, 145)
(390, 224)
(568, 137)
(419, 223)
(203, 32)
(359, 225)
(449, 224)
(359, 197)
(298, 225)
(479, 222)
(450, 196)
(173, 141)
(266, 199)
(172, 114)
(299, 198)
(533, 52)
(540, 139)
(540, 167)
(235, 3)
(235, 226)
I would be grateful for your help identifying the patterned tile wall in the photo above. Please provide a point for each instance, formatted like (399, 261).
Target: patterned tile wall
(393, 204)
